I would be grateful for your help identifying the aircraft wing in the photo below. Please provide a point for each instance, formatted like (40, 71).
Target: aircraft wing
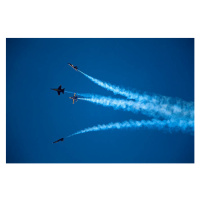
(59, 87)
(58, 93)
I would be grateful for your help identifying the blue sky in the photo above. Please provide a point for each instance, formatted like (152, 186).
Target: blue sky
(36, 116)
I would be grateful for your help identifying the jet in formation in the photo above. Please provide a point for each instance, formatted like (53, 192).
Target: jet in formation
(59, 90)
(74, 67)
(60, 140)
(75, 98)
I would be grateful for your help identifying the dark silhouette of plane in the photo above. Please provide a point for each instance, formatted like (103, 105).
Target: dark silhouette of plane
(74, 67)
(131, 99)
(75, 98)
(60, 140)
(59, 90)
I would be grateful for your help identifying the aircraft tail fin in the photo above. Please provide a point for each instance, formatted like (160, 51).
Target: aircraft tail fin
(63, 90)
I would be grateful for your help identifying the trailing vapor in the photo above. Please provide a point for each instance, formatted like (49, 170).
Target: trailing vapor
(149, 109)
(162, 103)
(178, 115)
(176, 125)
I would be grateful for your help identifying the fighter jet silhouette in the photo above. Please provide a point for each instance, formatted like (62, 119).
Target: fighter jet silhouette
(74, 67)
(59, 90)
(75, 98)
(61, 139)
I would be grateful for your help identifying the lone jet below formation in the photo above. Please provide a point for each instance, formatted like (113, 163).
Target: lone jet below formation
(59, 90)
(74, 67)
(60, 140)
(75, 98)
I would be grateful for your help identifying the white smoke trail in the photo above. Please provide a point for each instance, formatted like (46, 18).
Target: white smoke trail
(113, 88)
(176, 125)
(164, 103)
(79, 94)
(69, 92)
(180, 114)
(135, 106)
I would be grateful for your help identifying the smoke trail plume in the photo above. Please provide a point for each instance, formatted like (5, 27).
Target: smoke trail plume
(70, 92)
(80, 94)
(158, 124)
(113, 88)
(178, 114)
(164, 103)
(149, 109)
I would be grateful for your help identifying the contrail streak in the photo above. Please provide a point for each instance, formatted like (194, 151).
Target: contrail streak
(176, 125)
(80, 94)
(175, 104)
(178, 114)
(149, 109)
(69, 92)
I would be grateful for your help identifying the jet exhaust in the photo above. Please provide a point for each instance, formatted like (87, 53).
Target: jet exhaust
(161, 104)
(178, 115)
(69, 92)
(148, 109)
(175, 125)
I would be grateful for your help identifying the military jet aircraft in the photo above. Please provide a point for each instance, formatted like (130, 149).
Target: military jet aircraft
(59, 90)
(75, 98)
(131, 99)
(74, 67)
(62, 139)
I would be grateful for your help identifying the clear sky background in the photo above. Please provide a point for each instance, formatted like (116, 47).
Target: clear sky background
(36, 116)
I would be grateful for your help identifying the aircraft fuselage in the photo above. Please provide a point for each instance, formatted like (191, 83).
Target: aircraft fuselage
(59, 90)
(75, 98)
(74, 67)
